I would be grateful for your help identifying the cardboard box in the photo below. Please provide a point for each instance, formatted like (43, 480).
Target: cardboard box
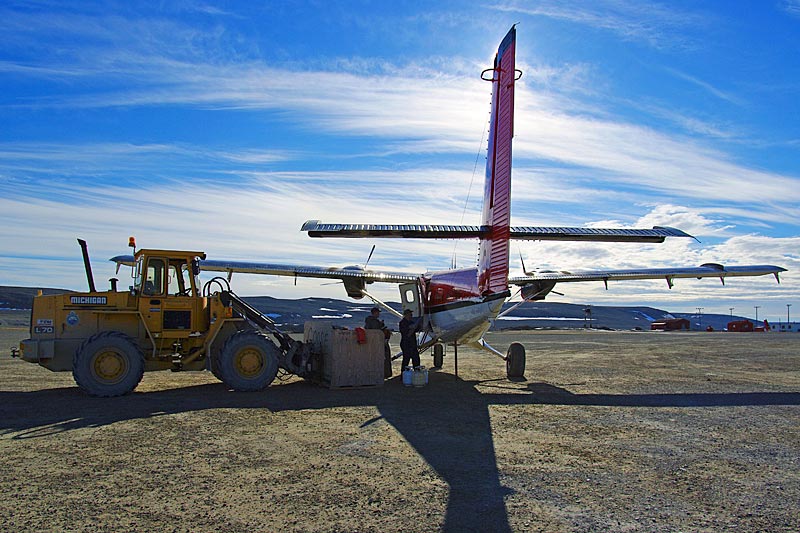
(345, 362)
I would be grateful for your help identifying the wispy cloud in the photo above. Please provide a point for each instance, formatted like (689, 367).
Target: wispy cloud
(792, 7)
(736, 250)
(709, 88)
(653, 23)
(74, 207)
(436, 112)
(641, 157)
(694, 123)
(444, 113)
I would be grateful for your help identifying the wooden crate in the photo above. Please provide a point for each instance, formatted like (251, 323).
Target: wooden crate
(345, 363)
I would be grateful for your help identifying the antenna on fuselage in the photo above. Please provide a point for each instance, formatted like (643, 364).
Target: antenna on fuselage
(484, 131)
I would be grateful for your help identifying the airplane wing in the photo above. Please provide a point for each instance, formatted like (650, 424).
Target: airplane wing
(708, 270)
(315, 228)
(302, 271)
(656, 234)
(355, 273)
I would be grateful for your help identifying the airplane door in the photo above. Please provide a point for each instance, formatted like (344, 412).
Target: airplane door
(410, 298)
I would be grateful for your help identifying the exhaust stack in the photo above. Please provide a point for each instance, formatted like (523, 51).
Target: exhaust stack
(87, 265)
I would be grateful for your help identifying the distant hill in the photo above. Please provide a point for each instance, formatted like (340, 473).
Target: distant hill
(22, 297)
(292, 314)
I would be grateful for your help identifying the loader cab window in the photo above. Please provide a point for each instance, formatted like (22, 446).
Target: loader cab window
(154, 278)
(179, 279)
(137, 274)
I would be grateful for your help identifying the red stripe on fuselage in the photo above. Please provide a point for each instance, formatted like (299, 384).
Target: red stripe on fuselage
(451, 286)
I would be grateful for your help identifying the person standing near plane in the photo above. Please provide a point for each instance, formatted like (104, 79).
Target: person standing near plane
(409, 326)
(373, 321)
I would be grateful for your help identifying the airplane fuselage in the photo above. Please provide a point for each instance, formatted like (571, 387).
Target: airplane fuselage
(456, 310)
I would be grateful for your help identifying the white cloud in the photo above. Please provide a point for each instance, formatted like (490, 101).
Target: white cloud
(417, 109)
(653, 23)
(687, 293)
(709, 88)
(689, 220)
(792, 7)
(636, 156)
(444, 113)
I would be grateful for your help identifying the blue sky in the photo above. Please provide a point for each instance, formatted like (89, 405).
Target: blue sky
(222, 126)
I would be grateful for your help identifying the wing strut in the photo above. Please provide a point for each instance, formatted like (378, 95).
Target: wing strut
(481, 343)
(382, 304)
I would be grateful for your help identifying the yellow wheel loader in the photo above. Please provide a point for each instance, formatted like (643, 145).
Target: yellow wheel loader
(164, 321)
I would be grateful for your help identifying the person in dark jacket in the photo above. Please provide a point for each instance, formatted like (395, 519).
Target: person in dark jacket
(408, 338)
(373, 321)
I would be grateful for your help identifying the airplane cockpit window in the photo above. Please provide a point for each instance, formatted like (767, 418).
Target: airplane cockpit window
(154, 278)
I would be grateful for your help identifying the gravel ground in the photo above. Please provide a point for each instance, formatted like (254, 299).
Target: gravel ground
(609, 431)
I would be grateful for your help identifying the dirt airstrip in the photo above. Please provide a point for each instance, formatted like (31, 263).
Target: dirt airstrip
(609, 431)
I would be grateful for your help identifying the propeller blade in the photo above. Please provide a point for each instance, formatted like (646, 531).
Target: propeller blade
(521, 260)
(370, 256)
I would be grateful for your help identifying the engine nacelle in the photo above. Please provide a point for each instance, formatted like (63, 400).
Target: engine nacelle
(537, 290)
(354, 286)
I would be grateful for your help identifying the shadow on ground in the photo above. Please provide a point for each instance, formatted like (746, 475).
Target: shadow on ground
(454, 435)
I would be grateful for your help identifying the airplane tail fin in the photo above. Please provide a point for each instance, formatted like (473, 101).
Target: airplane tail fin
(494, 246)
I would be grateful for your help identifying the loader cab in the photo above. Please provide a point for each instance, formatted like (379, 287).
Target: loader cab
(167, 273)
(169, 294)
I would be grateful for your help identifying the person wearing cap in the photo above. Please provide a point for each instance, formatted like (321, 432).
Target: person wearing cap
(373, 321)
(408, 338)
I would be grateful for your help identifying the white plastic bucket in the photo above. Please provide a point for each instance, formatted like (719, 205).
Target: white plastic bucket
(420, 377)
(408, 377)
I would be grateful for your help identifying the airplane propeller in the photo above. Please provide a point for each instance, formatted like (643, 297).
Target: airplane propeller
(519, 291)
(521, 260)
(369, 256)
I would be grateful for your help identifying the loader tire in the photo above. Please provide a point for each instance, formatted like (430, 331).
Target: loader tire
(213, 364)
(108, 364)
(515, 360)
(248, 361)
(227, 330)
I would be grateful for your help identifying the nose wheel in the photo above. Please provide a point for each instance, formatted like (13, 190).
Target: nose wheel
(438, 355)
(515, 360)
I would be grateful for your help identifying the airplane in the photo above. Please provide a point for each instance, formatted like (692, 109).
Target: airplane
(458, 306)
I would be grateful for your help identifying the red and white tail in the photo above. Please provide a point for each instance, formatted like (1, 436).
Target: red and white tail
(493, 251)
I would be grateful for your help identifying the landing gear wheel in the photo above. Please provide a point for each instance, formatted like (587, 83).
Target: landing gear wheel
(248, 361)
(438, 355)
(108, 364)
(515, 360)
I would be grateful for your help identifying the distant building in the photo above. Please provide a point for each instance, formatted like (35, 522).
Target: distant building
(740, 325)
(786, 327)
(671, 324)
